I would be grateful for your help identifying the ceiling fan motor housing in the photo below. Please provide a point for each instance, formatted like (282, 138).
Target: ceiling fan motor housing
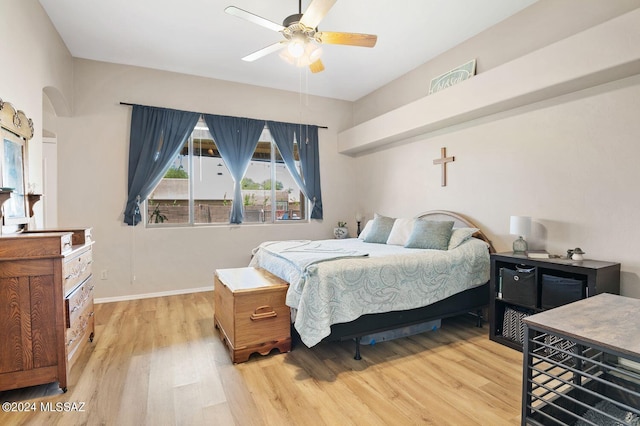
(293, 19)
(295, 30)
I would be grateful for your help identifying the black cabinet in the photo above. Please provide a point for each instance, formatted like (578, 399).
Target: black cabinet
(521, 287)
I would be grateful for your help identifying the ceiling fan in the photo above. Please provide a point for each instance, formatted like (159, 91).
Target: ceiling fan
(302, 38)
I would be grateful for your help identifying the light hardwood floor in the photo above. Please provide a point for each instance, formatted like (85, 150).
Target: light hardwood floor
(161, 362)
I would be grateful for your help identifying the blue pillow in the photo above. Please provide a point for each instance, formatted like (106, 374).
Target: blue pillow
(380, 229)
(430, 234)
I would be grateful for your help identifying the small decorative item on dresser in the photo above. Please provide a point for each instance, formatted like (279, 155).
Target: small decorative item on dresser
(341, 230)
(358, 222)
(577, 254)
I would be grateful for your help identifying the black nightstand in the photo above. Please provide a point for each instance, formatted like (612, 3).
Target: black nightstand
(521, 286)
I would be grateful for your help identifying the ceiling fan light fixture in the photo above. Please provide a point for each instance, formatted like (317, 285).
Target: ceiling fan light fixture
(296, 47)
(309, 54)
(299, 61)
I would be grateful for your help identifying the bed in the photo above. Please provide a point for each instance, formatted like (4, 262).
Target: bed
(346, 289)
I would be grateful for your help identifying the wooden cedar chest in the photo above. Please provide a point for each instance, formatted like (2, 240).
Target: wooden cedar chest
(250, 312)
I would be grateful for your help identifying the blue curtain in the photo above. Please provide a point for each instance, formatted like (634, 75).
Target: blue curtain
(310, 165)
(283, 134)
(307, 137)
(236, 139)
(157, 134)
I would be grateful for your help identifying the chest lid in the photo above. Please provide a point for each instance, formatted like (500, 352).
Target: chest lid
(249, 279)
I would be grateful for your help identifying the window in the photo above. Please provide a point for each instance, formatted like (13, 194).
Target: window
(198, 189)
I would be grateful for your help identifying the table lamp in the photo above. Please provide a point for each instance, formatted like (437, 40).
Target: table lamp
(520, 226)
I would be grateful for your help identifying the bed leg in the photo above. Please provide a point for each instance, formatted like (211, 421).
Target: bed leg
(480, 320)
(357, 356)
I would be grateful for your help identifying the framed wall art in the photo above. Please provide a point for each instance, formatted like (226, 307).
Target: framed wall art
(455, 76)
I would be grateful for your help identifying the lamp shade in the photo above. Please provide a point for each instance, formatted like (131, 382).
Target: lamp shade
(520, 225)
(296, 48)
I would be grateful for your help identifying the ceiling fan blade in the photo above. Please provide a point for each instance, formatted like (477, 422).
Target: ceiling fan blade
(351, 39)
(265, 51)
(240, 13)
(316, 66)
(315, 12)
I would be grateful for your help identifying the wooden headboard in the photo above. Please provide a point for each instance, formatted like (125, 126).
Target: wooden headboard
(459, 221)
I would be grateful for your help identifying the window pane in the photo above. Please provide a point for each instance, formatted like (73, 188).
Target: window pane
(258, 192)
(169, 201)
(198, 188)
(212, 183)
(256, 184)
(289, 198)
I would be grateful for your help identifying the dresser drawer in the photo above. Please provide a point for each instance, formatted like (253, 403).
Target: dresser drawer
(76, 269)
(80, 331)
(79, 236)
(78, 302)
(35, 245)
(78, 337)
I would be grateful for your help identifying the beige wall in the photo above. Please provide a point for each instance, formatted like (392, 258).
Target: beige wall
(569, 162)
(93, 152)
(33, 58)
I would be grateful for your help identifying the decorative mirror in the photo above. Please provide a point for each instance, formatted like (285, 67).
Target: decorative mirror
(16, 130)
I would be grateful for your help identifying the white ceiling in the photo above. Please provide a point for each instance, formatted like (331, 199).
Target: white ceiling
(197, 37)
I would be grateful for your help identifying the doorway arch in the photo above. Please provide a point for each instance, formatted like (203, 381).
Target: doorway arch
(54, 105)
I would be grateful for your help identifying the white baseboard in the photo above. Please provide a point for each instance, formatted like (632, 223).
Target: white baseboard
(150, 295)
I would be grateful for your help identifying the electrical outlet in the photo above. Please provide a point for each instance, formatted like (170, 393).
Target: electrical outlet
(104, 274)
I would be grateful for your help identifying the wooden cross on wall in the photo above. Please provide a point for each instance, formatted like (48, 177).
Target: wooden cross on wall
(443, 160)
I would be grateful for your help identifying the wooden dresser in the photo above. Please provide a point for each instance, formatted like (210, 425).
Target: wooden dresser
(46, 305)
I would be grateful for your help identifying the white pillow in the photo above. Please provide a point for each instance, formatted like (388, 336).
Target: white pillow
(401, 231)
(460, 235)
(366, 229)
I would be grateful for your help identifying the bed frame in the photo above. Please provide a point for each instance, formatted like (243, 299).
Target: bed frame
(468, 301)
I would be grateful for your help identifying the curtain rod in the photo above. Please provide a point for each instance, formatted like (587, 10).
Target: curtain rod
(129, 104)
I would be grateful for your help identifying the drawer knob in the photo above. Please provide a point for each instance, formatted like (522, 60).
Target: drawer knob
(263, 312)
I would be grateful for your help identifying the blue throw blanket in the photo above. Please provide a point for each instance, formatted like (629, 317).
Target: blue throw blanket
(303, 253)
